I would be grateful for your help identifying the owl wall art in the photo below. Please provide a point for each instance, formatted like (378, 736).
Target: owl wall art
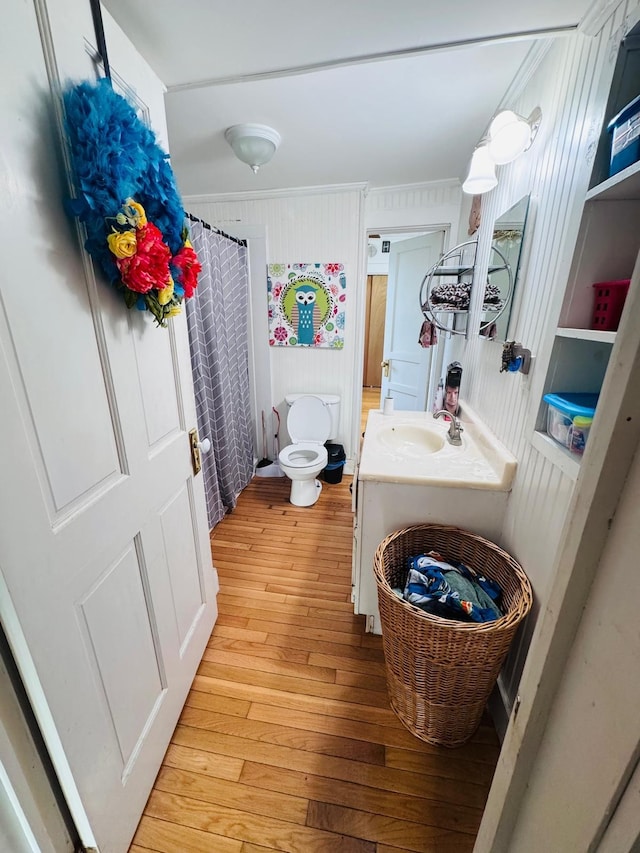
(306, 305)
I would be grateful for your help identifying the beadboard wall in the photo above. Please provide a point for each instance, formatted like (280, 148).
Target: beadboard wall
(327, 224)
(570, 85)
(321, 225)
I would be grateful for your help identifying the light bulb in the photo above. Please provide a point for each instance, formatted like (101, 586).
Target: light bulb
(482, 173)
(509, 136)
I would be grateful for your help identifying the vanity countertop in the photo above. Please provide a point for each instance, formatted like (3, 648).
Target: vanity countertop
(412, 448)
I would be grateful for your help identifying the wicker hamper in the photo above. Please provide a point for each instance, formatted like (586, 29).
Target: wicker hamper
(440, 672)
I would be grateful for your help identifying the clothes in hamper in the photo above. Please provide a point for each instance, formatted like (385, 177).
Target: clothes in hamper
(451, 589)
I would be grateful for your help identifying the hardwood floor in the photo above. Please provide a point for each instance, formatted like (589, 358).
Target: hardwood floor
(287, 741)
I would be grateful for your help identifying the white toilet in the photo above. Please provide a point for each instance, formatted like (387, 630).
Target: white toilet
(312, 419)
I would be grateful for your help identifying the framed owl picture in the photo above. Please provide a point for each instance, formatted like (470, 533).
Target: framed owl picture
(306, 305)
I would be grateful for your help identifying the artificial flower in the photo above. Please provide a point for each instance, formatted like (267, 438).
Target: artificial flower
(137, 213)
(166, 293)
(123, 244)
(149, 267)
(188, 266)
(174, 311)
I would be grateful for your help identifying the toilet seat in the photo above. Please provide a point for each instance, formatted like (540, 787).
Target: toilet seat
(303, 454)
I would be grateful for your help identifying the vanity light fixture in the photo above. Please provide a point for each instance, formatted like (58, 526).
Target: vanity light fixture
(510, 135)
(482, 173)
(254, 144)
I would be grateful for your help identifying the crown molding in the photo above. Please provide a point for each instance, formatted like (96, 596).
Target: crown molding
(530, 65)
(453, 183)
(212, 198)
(596, 15)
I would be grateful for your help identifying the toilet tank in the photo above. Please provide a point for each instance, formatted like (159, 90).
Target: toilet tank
(331, 401)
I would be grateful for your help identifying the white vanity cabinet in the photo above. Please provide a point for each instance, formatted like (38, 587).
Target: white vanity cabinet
(386, 502)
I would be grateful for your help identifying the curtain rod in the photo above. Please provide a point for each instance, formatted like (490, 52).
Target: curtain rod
(214, 229)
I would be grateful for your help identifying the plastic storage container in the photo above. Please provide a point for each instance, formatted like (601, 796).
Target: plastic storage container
(625, 140)
(579, 433)
(336, 458)
(608, 304)
(562, 410)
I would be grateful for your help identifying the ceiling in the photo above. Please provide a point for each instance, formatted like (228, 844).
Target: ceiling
(380, 92)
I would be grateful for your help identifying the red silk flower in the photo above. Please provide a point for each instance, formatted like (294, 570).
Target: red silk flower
(186, 261)
(149, 267)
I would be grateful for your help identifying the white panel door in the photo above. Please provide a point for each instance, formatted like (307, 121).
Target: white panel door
(107, 592)
(408, 363)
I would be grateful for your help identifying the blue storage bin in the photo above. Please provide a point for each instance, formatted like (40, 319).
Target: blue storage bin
(562, 409)
(625, 140)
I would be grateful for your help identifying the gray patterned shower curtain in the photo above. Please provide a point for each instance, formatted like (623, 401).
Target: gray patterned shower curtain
(217, 318)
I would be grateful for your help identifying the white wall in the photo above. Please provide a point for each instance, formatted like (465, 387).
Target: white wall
(570, 86)
(303, 226)
(323, 224)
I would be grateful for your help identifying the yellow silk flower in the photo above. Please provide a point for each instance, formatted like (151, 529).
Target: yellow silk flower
(166, 293)
(175, 311)
(123, 244)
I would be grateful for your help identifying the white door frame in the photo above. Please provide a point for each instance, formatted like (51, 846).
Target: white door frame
(415, 229)
(29, 811)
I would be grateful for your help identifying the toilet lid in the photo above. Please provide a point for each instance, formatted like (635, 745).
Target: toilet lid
(309, 420)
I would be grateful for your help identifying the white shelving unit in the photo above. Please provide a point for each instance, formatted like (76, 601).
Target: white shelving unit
(587, 335)
(606, 249)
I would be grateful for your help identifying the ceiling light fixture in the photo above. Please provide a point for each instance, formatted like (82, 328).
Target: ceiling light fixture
(254, 144)
(482, 173)
(510, 135)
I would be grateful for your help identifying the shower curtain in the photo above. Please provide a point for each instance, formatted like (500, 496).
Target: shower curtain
(217, 318)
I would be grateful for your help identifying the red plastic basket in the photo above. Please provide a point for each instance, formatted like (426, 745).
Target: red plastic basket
(608, 304)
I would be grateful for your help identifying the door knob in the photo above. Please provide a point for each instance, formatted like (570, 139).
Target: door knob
(204, 446)
(385, 367)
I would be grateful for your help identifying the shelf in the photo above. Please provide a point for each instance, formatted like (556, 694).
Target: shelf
(455, 271)
(458, 271)
(587, 335)
(436, 310)
(559, 456)
(625, 186)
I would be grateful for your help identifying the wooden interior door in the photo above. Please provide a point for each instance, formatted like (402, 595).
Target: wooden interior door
(374, 329)
(107, 593)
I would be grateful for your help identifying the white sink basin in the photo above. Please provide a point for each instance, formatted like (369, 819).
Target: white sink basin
(410, 440)
(412, 448)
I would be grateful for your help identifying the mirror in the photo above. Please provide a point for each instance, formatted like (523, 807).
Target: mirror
(502, 274)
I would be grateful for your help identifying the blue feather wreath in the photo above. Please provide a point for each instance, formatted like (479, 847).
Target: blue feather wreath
(117, 160)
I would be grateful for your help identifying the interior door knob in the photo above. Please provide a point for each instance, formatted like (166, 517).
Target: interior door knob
(204, 446)
(385, 368)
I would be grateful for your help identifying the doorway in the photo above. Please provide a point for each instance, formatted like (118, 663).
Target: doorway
(384, 246)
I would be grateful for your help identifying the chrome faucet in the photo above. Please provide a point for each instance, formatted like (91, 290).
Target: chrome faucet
(455, 428)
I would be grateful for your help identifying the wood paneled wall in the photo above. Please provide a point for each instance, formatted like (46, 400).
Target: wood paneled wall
(570, 86)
